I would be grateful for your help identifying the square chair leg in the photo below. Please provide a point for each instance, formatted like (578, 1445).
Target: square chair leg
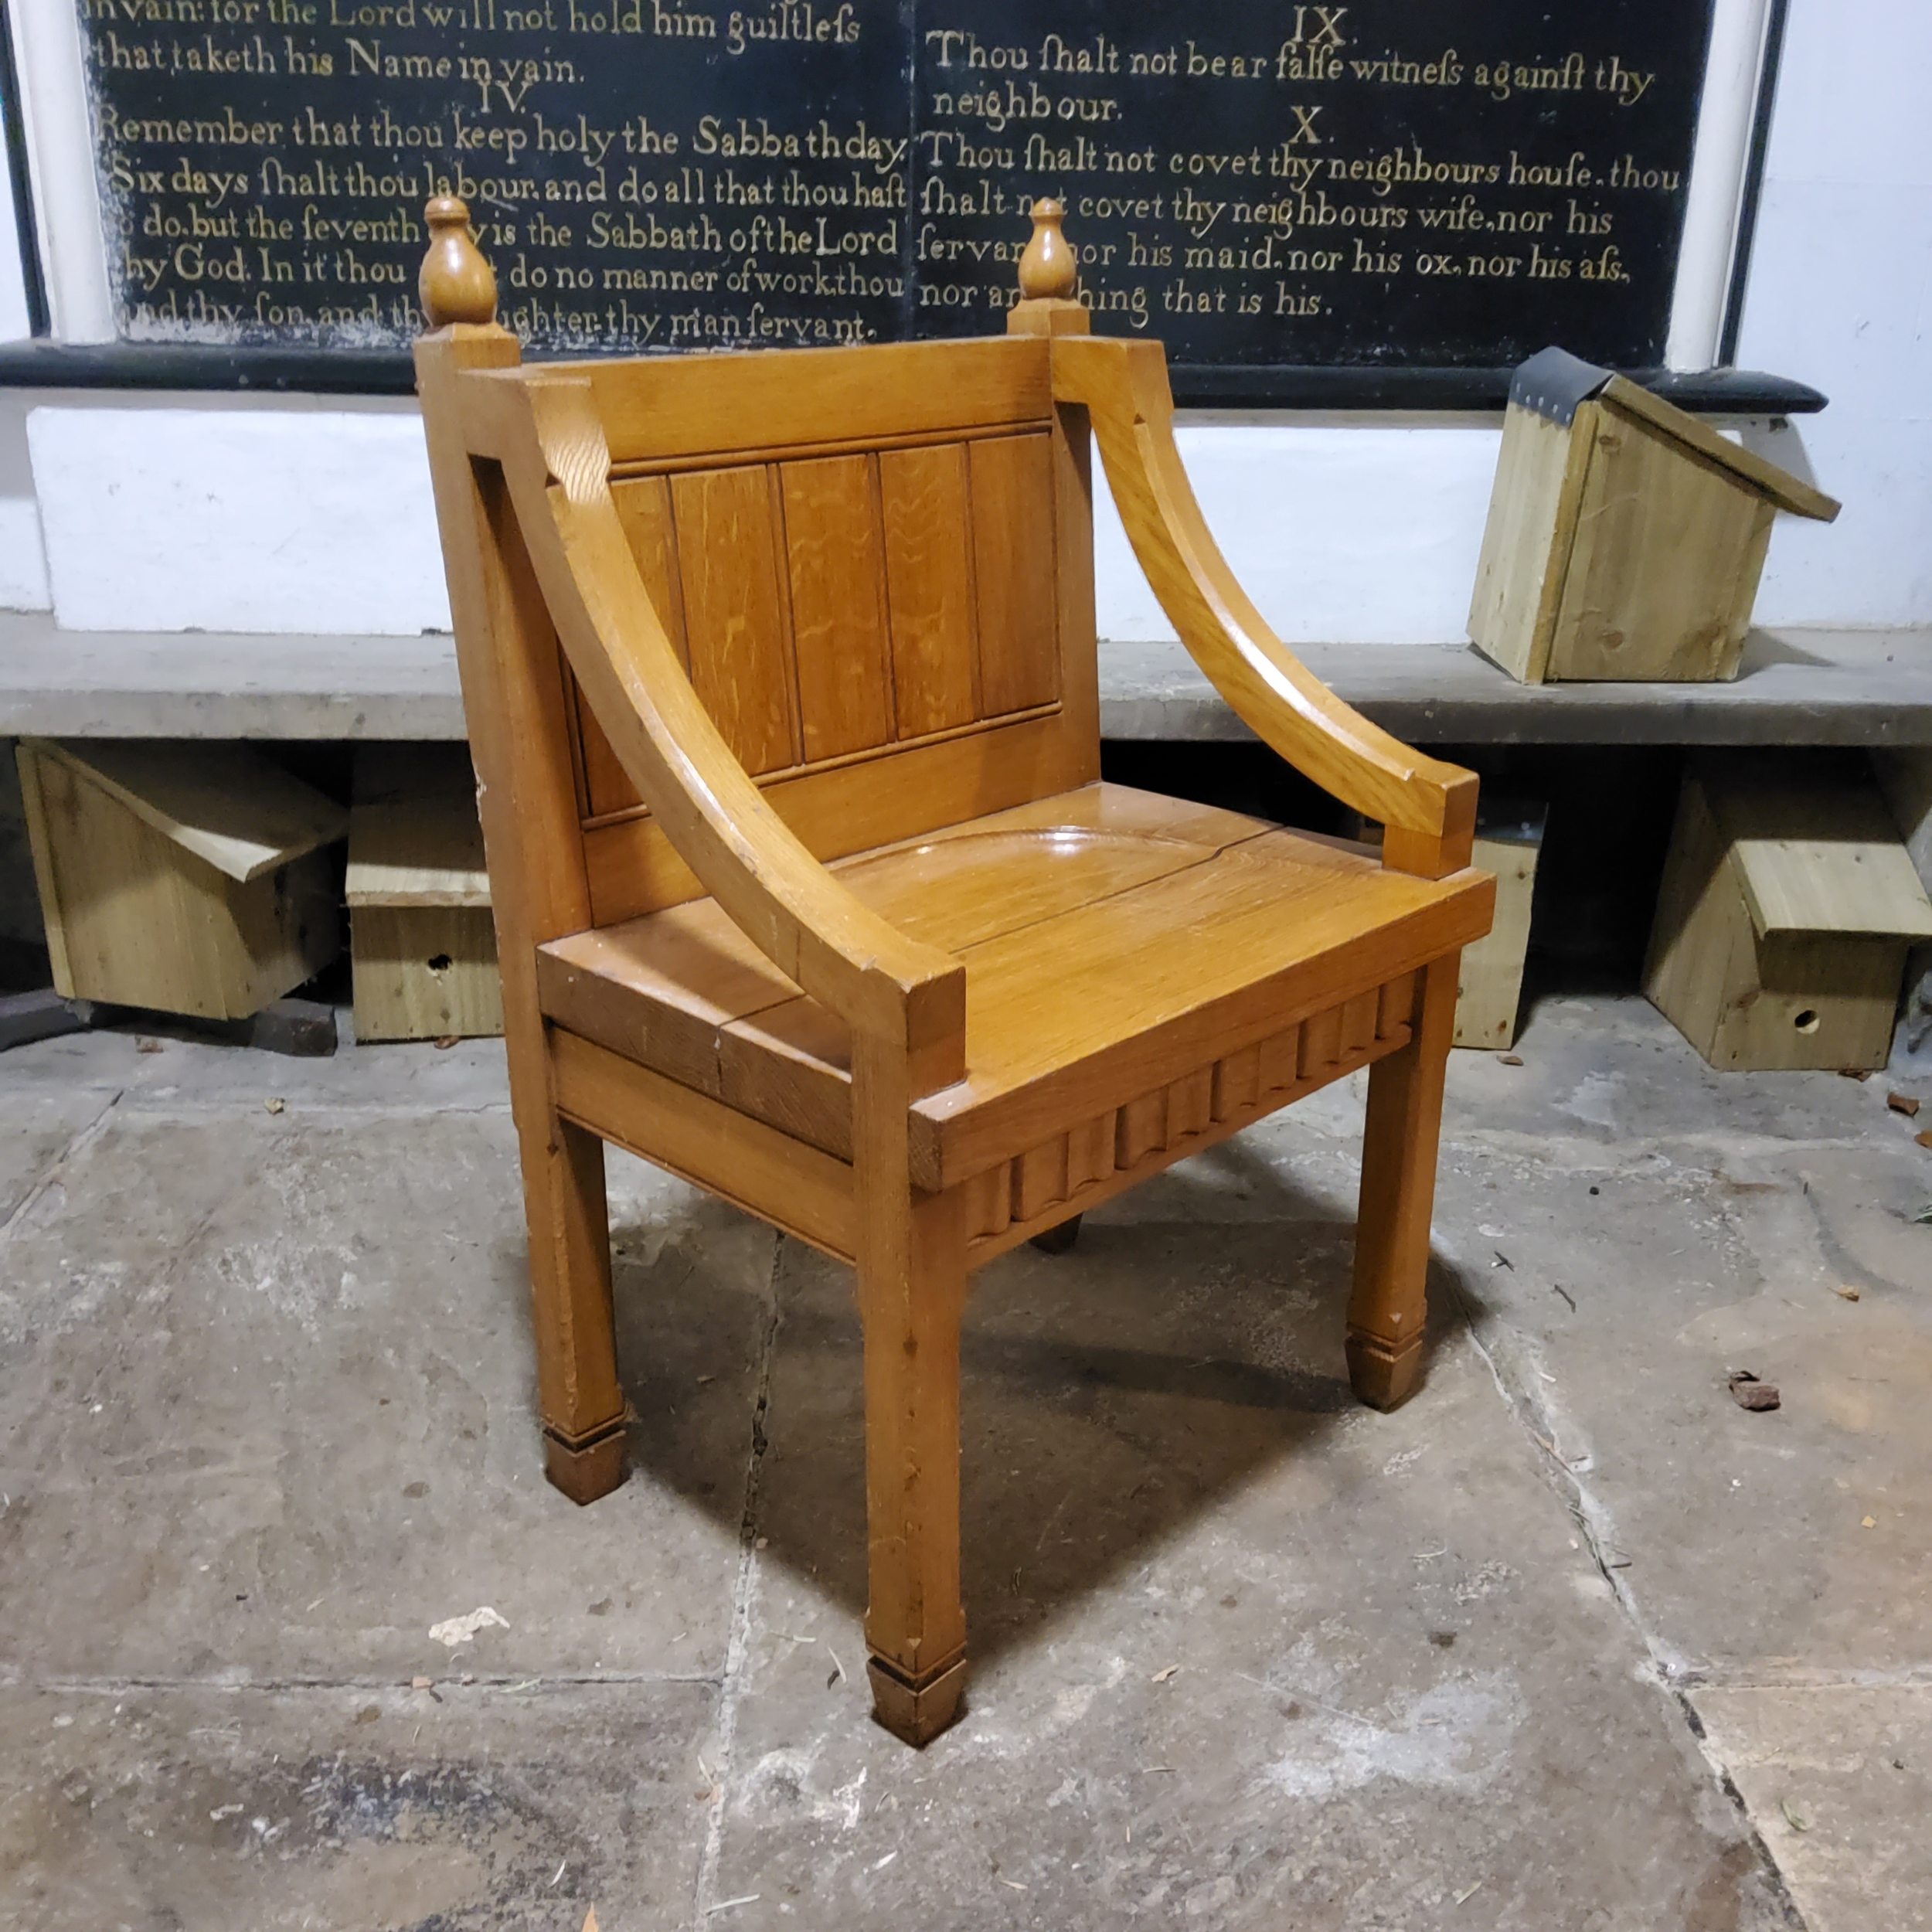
(1388, 1308)
(577, 1356)
(912, 1292)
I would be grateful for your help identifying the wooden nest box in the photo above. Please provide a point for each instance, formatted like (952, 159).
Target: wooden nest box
(188, 878)
(1788, 908)
(422, 942)
(1625, 538)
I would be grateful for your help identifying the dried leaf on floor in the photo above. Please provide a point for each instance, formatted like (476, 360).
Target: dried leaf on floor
(1748, 1392)
(1868, 1522)
(1854, 1073)
(590, 1920)
(1510, 1060)
(1903, 1104)
(1925, 1140)
(1846, 1292)
(445, 1041)
(146, 1047)
(275, 1106)
(1793, 1817)
(1162, 1676)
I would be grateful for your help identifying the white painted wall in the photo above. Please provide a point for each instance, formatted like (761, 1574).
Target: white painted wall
(233, 514)
(251, 520)
(1841, 295)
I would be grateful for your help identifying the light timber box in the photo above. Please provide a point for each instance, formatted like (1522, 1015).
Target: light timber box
(190, 879)
(1788, 908)
(1509, 835)
(423, 943)
(1625, 538)
(1508, 839)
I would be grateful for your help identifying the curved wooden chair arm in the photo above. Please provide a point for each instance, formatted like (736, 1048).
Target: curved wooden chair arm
(897, 991)
(1428, 808)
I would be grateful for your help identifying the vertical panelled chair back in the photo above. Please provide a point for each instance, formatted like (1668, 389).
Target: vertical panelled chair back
(852, 581)
(779, 675)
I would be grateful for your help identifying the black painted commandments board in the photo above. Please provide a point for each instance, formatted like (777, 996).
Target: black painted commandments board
(1416, 182)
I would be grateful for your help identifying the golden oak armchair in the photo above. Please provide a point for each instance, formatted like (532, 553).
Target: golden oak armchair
(806, 885)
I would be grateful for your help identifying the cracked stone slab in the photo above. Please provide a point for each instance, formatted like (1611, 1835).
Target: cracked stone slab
(1247, 1654)
(1645, 1262)
(467, 1808)
(36, 1126)
(270, 1413)
(1840, 1780)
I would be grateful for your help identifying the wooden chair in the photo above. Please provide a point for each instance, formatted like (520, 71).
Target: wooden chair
(806, 885)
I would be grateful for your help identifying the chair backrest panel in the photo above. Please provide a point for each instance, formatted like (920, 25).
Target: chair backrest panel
(659, 410)
(847, 607)
(1013, 549)
(875, 565)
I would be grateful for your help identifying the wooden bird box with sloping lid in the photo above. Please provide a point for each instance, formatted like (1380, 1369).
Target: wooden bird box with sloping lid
(189, 879)
(1625, 537)
(1788, 908)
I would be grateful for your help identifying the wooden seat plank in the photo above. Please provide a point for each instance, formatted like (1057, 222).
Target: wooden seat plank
(696, 972)
(1212, 957)
(1106, 933)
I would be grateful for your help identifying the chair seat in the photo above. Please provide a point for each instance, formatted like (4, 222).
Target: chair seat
(1118, 945)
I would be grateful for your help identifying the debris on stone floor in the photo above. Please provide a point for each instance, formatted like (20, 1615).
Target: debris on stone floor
(1748, 1392)
(1846, 1292)
(460, 1630)
(1905, 1103)
(276, 1106)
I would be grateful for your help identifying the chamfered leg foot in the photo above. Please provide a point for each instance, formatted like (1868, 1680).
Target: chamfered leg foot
(916, 1712)
(1383, 1377)
(1059, 1239)
(586, 1470)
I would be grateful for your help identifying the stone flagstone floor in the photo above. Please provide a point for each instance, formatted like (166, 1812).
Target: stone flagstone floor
(1570, 1644)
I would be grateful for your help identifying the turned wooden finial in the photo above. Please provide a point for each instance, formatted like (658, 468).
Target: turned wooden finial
(457, 285)
(1047, 269)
